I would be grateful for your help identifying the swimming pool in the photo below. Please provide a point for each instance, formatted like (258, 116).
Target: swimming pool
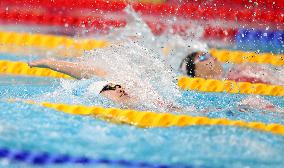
(35, 135)
(55, 132)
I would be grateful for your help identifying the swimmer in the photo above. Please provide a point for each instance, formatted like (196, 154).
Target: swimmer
(203, 65)
(110, 90)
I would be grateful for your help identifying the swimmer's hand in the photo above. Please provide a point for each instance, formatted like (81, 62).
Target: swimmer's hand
(257, 102)
(170, 106)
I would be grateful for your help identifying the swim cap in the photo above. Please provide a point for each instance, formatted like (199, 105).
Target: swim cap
(96, 87)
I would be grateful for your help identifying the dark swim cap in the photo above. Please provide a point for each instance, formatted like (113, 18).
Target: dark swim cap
(190, 65)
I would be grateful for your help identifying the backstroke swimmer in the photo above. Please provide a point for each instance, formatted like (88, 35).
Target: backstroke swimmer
(112, 91)
(202, 64)
(138, 93)
(117, 93)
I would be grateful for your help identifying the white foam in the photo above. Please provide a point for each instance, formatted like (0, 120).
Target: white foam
(139, 70)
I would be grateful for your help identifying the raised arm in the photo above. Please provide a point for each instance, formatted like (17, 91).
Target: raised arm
(74, 69)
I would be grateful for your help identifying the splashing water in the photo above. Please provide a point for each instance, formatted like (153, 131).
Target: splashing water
(136, 62)
(139, 70)
(136, 29)
(170, 47)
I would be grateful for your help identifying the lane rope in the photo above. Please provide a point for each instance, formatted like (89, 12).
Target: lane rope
(262, 40)
(212, 85)
(194, 11)
(48, 159)
(83, 22)
(48, 41)
(21, 68)
(238, 57)
(147, 119)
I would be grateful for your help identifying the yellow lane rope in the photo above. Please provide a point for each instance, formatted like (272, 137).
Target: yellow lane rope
(211, 85)
(152, 119)
(250, 57)
(198, 84)
(21, 68)
(48, 41)
(8, 41)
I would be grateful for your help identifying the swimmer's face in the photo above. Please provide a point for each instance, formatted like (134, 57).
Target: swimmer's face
(116, 93)
(207, 66)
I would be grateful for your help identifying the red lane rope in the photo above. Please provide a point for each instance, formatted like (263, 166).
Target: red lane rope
(192, 10)
(219, 33)
(256, 4)
(90, 4)
(57, 20)
(197, 12)
(100, 23)
(268, 4)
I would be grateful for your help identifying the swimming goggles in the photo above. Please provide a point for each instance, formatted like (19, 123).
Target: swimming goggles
(202, 57)
(110, 87)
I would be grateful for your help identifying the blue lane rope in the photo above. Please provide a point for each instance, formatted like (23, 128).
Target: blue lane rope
(264, 41)
(45, 159)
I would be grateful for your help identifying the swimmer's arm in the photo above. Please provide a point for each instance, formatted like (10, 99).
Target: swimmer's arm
(258, 102)
(76, 70)
(170, 106)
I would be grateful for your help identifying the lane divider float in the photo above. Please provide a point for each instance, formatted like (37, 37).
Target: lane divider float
(48, 41)
(194, 11)
(147, 119)
(238, 57)
(212, 85)
(100, 24)
(264, 41)
(51, 19)
(57, 42)
(21, 68)
(48, 159)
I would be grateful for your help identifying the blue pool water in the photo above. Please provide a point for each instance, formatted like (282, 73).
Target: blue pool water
(35, 128)
(39, 129)
(218, 105)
